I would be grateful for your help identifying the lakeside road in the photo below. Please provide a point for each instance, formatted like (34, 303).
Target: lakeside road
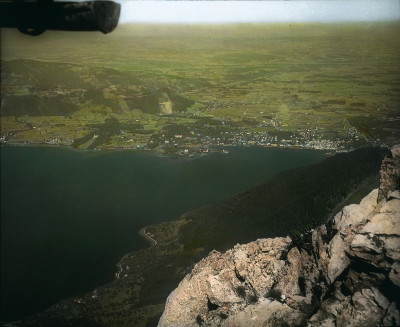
(144, 234)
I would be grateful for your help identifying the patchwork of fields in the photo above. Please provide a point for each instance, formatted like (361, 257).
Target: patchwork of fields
(182, 89)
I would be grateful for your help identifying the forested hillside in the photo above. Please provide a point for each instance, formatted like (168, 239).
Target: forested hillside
(288, 202)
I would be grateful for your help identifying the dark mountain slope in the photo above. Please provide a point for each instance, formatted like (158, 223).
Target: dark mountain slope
(287, 202)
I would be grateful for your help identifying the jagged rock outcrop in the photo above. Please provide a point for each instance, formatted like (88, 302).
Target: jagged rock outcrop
(390, 174)
(344, 273)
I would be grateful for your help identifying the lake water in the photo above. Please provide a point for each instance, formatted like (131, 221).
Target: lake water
(68, 216)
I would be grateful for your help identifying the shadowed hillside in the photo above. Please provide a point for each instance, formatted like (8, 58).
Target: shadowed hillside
(286, 202)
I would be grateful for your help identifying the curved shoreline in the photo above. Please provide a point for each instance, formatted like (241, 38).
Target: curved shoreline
(157, 152)
(143, 233)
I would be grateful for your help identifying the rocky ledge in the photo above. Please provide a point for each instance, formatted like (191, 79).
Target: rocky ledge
(343, 273)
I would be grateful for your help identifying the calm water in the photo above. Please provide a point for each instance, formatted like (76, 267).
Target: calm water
(67, 217)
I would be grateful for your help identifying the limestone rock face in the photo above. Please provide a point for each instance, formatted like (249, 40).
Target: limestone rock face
(344, 273)
(390, 174)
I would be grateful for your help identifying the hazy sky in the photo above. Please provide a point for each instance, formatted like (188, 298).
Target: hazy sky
(258, 11)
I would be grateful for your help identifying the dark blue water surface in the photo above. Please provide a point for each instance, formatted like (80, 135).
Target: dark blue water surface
(68, 216)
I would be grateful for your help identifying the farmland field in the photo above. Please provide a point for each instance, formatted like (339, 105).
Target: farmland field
(329, 86)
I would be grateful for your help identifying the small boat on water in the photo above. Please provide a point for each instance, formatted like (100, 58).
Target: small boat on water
(225, 151)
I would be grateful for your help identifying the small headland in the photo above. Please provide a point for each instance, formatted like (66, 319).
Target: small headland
(148, 236)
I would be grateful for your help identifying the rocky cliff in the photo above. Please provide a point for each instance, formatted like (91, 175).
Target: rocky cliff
(343, 273)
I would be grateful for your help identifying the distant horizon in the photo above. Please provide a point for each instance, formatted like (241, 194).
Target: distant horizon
(384, 22)
(227, 12)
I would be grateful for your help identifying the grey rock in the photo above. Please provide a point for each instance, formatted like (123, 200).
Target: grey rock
(347, 280)
(390, 174)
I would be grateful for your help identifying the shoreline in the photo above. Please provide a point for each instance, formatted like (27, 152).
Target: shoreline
(143, 233)
(156, 152)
